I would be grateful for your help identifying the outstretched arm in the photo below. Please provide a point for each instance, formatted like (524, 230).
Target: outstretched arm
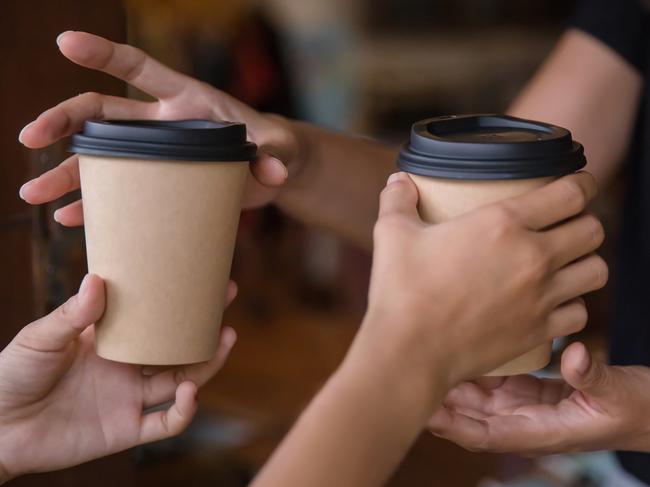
(321, 177)
(425, 325)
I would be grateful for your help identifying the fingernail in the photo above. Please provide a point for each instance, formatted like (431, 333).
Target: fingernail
(284, 168)
(23, 188)
(83, 288)
(56, 215)
(20, 135)
(395, 177)
(60, 36)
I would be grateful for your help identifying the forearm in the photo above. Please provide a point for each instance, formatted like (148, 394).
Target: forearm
(337, 182)
(357, 429)
(589, 89)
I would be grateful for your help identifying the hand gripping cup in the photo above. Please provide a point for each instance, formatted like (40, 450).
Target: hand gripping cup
(161, 202)
(459, 163)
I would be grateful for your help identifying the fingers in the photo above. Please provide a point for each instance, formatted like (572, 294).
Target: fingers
(585, 374)
(68, 117)
(574, 239)
(269, 171)
(56, 330)
(555, 202)
(52, 184)
(502, 395)
(567, 319)
(467, 432)
(71, 215)
(160, 387)
(399, 197)
(122, 61)
(165, 424)
(469, 396)
(510, 433)
(582, 277)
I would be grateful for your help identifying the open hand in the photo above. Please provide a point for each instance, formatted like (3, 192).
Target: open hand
(61, 404)
(595, 407)
(177, 97)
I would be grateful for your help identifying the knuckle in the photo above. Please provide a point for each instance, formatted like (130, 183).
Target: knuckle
(90, 97)
(65, 310)
(391, 188)
(502, 221)
(535, 260)
(26, 334)
(136, 66)
(387, 224)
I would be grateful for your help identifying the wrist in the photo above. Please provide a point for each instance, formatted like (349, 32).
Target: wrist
(300, 157)
(415, 373)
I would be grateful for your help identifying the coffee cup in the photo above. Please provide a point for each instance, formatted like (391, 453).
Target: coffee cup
(161, 204)
(459, 163)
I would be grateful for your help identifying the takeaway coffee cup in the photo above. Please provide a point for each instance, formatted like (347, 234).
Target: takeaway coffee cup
(462, 162)
(161, 204)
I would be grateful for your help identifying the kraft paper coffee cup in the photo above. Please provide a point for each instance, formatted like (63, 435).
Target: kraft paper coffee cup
(460, 163)
(161, 204)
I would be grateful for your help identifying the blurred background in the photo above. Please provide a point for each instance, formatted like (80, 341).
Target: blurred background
(367, 66)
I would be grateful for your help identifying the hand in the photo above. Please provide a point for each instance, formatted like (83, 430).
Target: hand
(595, 407)
(469, 294)
(178, 97)
(61, 404)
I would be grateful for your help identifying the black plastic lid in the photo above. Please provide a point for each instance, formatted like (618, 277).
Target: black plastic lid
(184, 140)
(489, 147)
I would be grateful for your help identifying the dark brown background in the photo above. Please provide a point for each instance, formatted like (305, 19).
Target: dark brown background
(293, 326)
(35, 76)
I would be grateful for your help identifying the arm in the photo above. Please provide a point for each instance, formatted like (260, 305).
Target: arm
(584, 85)
(332, 181)
(359, 427)
(588, 88)
(424, 331)
(425, 326)
(337, 181)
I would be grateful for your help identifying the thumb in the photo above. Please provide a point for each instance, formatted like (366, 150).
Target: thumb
(56, 330)
(583, 373)
(400, 196)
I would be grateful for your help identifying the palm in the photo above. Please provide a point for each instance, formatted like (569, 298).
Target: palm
(524, 414)
(100, 402)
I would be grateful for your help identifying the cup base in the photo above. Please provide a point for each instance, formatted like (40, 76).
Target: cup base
(143, 359)
(536, 359)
